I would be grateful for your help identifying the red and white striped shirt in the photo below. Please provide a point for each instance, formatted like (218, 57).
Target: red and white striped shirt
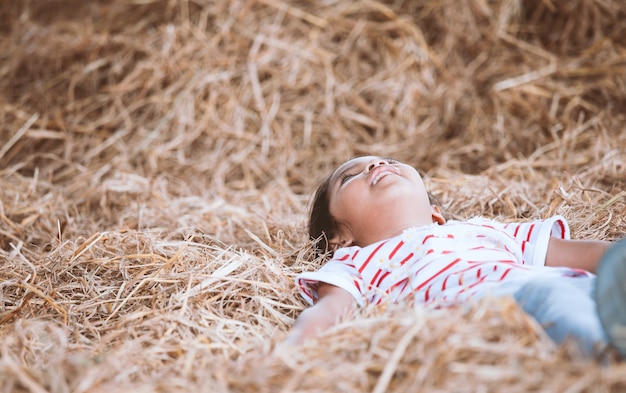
(444, 263)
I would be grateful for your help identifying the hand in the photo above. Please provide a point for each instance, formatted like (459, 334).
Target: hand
(332, 304)
(294, 338)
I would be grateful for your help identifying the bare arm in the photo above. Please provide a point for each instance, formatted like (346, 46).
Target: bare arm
(578, 254)
(333, 302)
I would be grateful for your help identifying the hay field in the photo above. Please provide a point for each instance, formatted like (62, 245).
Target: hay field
(157, 159)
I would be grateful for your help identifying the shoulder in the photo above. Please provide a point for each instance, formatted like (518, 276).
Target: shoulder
(343, 253)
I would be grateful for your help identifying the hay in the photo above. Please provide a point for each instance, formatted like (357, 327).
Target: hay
(157, 159)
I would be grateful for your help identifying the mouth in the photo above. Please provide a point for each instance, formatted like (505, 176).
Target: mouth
(379, 174)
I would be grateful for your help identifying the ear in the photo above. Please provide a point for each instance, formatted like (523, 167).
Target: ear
(341, 239)
(436, 215)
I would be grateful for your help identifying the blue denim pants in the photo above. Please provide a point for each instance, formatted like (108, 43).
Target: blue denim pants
(565, 307)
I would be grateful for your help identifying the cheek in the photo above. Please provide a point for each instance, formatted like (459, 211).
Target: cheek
(343, 206)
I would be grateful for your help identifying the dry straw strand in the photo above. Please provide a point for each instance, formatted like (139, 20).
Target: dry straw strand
(158, 157)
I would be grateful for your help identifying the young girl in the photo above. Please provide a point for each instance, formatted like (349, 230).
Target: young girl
(392, 244)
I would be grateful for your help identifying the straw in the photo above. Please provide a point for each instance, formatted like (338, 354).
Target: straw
(157, 160)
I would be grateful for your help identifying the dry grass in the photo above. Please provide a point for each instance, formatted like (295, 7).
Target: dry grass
(157, 159)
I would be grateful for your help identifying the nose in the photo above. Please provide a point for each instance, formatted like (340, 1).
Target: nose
(374, 164)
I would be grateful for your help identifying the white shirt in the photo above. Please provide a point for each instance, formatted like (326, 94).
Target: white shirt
(442, 263)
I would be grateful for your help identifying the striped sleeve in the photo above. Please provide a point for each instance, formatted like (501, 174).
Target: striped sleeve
(534, 237)
(340, 272)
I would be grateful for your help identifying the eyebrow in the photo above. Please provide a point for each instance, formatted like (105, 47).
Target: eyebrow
(386, 158)
(348, 168)
(337, 175)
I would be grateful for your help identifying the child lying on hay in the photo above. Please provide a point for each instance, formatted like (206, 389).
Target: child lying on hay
(391, 244)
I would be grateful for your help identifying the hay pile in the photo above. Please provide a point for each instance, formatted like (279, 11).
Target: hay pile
(157, 159)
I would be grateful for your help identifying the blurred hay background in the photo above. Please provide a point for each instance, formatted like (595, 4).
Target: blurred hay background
(157, 159)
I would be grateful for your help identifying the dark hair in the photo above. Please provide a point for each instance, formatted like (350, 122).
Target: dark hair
(322, 225)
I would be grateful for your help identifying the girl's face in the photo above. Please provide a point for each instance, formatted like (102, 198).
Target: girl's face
(374, 198)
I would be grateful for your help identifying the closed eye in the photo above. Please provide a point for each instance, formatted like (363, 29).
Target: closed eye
(344, 177)
(391, 161)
